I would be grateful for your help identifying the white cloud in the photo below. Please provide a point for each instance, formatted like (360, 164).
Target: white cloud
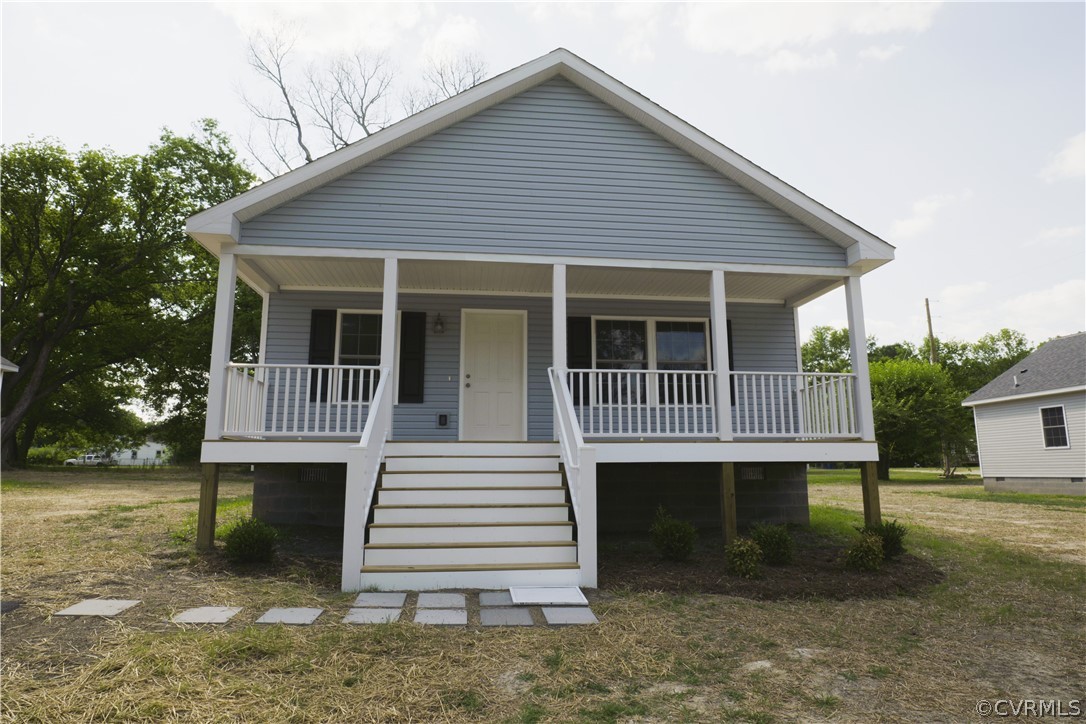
(1055, 235)
(923, 214)
(640, 27)
(760, 29)
(1060, 309)
(789, 61)
(880, 53)
(1069, 162)
(965, 295)
(581, 12)
(455, 35)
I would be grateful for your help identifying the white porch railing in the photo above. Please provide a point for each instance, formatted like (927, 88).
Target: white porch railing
(579, 461)
(644, 403)
(298, 400)
(682, 404)
(363, 467)
(795, 405)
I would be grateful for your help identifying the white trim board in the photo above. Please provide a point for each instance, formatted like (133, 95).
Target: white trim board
(221, 223)
(1026, 396)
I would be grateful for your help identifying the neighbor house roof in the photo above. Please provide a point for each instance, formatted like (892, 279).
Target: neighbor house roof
(221, 224)
(1058, 365)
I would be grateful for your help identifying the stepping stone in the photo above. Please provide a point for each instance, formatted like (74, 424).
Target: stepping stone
(442, 616)
(442, 600)
(291, 616)
(495, 598)
(206, 614)
(505, 617)
(372, 615)
(97, 607)
(9, 606)
(380, 600)
(547, 596)
(569, 615)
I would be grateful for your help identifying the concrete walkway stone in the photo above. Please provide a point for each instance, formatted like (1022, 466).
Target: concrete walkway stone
(98, 607)
(569, 615)
(372, 615)
(291, 616)
(505, 617)
(207, 614)
(372, 599)
(442, 616)
(442, 600)
(495, 598)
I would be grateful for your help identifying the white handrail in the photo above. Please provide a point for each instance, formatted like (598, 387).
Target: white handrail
(807, 405)
(580, 465)
(645, 403)
(569, 434)
(363, 467)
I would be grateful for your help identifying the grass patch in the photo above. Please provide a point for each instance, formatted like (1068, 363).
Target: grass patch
(1058, 502)
(228, 513)
(898, 476)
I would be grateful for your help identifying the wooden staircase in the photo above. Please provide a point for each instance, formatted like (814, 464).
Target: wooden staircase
(470, 515)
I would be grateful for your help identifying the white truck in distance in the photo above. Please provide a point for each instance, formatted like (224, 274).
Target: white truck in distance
(92, 459)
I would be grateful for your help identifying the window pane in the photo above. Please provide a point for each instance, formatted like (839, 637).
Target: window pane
(681, 346)
(1054, 427)
(360, 339)
(620, 344)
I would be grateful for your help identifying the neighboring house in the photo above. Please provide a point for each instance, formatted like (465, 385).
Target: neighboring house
(1031, 422)
(532, 312)
(150, 453)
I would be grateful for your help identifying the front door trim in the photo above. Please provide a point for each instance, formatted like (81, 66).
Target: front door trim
(523, 314)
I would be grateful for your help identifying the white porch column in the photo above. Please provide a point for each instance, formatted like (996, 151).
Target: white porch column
(388, 329)
(718, 322)
(857, 336)
(558, 328)
(220, 346)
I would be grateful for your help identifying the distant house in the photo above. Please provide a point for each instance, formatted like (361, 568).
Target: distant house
(149, 453)
(1031, 422)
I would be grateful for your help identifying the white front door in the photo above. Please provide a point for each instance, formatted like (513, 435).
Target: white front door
(493, 377)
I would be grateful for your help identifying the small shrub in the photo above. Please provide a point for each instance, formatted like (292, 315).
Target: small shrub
(672, 537)
(866, 553)
(250, 541)
(775, 542)
(744, 558)
(893, 537)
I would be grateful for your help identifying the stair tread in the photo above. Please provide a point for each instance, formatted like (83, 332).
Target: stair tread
(473, 567)
(475, 505)
(481, 487)
(525, 456)
(469, 525)
(477, 544)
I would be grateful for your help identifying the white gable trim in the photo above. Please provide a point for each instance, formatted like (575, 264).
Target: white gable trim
(221, 224)
(1027, 396)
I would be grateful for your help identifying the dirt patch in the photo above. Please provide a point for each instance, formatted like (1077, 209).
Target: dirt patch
(815, 573)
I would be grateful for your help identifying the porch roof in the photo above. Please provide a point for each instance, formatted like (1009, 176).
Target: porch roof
(432, 276)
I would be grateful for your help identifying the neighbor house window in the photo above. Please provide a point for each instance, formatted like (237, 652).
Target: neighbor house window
(1054, 427)
(358, 343)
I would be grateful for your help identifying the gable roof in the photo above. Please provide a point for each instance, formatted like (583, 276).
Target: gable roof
(221, 224)
(1059, 365)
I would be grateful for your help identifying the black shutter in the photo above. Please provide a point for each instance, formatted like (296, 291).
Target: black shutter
(412, 356)
(578, 348)
(322, 349)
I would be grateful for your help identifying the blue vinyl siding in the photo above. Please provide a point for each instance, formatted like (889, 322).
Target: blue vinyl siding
(764, 339)
(550, 171)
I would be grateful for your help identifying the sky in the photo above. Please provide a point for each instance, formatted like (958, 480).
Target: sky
(953, 131)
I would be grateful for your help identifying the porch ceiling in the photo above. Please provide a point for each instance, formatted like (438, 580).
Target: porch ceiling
(467, 277)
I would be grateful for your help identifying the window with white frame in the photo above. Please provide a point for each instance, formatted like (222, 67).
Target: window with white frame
(663, 345)
(1054, 427)
(358, 342)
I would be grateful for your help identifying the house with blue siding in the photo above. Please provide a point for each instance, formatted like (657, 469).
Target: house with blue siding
(524, 317)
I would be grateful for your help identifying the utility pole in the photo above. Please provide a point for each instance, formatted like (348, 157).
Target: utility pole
(933, 352)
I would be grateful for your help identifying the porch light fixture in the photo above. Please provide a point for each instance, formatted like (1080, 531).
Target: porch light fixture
(439, 325)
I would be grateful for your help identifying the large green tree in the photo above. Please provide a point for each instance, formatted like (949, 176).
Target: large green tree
(98, 275)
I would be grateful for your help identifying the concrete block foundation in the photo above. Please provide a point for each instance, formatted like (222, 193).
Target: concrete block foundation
(295, 494)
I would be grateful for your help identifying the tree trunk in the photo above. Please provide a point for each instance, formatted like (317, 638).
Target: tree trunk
(884, 468)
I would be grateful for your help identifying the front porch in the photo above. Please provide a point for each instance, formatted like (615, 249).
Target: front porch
(597, 363)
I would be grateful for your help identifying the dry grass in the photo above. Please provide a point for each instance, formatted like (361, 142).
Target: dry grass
(1007, 622)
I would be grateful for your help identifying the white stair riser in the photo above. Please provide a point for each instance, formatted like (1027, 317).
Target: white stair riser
(470, 515)
(469, 556)
(467, 496)
(472, 448)
(480, 464)
(469, 480)
(489, 580)
(472, 534)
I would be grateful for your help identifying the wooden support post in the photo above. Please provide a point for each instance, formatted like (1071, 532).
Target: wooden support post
(209, 499)
(869, 480)
(727, 502)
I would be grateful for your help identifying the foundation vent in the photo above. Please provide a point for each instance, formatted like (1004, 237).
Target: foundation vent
(312, 474)
(752, 472)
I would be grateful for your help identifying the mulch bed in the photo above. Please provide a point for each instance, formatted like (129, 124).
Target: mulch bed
(816, 572)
